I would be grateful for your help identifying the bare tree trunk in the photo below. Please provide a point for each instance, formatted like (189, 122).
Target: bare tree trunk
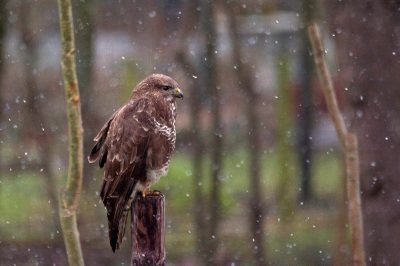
(366, 33)
(285, 188)
(255, 201)
(354, 199)
(350, 145)
(36, 126)
(197, 162)
(193, 28)
(3, 25)
(70, 195)
(198, 147)
(216, 138)
(308, 11)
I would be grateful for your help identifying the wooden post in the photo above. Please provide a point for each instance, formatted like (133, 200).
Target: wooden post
(148, 227)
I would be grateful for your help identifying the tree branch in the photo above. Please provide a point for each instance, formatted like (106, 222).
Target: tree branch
(326, 83)
(350, 145)
(69, 197)
(354, 199)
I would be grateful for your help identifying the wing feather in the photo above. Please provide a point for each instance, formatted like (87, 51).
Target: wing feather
(98, 149)
(121, 147)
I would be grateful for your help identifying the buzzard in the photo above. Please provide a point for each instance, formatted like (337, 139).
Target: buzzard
(135, 147)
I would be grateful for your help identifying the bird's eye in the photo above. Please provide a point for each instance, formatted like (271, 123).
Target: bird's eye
(165, 88)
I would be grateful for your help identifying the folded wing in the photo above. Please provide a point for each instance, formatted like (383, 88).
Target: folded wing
(121, 148)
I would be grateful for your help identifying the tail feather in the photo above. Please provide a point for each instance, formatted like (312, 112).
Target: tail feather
(117, 194)
(117, 214)
(117, 231)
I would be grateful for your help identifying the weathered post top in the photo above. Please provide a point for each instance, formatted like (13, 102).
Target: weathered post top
(148, 227)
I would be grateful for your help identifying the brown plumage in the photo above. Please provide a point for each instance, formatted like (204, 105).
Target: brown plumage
(135, 146)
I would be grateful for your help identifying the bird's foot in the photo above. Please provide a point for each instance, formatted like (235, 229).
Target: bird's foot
(156, 192)
(145, 192)
(148, 191)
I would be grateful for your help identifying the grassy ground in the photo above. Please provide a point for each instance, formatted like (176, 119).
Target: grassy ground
(305, 236)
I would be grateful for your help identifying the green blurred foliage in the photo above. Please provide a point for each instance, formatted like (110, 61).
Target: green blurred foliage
(307, 240)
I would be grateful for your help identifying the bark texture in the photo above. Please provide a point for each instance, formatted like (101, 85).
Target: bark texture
(245, 81)
(211, 75)
(367, 34)
(349, 144)
(70, 195)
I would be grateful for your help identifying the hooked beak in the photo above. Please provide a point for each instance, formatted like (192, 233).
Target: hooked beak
(178, 93)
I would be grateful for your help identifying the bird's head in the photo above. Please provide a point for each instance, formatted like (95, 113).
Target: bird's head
(159, 85)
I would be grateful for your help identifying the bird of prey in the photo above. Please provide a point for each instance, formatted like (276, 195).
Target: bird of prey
(135, 147)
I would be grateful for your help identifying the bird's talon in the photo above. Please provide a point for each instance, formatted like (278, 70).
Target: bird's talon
(145, 192)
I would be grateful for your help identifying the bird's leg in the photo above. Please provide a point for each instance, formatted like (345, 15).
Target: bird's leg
(145, 191)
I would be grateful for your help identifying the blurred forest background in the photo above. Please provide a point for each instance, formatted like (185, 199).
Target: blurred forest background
(258, 173)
